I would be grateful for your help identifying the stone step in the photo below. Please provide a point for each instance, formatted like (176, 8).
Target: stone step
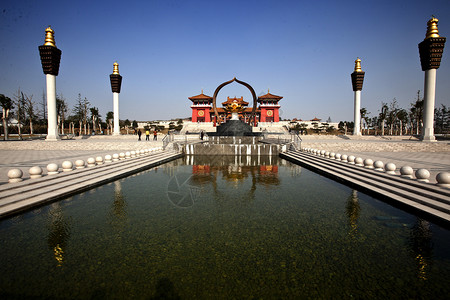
(24, 195)
(434, 202)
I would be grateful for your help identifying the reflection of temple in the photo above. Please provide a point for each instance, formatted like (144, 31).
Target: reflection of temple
(267, 111)
(263, 172)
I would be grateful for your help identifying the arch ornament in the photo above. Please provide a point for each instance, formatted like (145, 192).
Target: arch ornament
(244, 84)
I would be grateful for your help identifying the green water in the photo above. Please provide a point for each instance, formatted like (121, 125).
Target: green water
(213, 228)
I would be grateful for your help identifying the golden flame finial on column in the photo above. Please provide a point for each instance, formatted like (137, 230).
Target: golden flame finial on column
(49, 38)
(432, 29)
(358, 65)
(116, 68)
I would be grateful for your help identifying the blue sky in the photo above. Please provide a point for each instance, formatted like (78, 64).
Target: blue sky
(171, 50)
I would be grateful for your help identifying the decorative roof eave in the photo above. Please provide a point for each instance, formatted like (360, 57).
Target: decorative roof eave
(200, 97)
(270, 96)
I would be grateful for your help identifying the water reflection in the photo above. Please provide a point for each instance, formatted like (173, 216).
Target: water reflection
(353, 211)
(59, 232)
(422, 246)
(119, 206)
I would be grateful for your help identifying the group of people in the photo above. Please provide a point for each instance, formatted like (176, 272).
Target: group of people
(147, 135)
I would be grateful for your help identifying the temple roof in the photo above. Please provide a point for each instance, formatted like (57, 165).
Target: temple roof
(200, 97)
(238, 100)
(316, 119)
(270, 96)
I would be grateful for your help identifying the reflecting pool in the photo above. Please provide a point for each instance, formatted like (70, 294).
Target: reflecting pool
(223, 227)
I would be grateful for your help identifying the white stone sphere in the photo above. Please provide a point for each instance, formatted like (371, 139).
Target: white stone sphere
(359, 161)
(146, 151)
(443, 179)
(406, 171)
(422, 175)
(99, 160)
(80, 164)
(127, 154)
(91, 162)
(378, 165)
(67, 166)
(351, 159)
(368, 163)
(142, 152)
(332, 155)
(322, 152)
(52, 169)
(35, 172)
(327, 153)
(15, 175)
(344, 157)
(133, 153)
(121, 155)
(115, 157)
(337, 156)
(108, 158)
(390, 168)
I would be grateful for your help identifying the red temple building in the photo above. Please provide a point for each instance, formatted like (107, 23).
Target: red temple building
(267, 110)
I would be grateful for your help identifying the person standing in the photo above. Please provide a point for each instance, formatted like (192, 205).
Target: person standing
(155, 138)
(147, 135)
(139, 134)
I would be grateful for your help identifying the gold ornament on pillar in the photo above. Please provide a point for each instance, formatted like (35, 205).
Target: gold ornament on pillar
(432, 28)
(116, 68)
(358, 65)
(49, 38)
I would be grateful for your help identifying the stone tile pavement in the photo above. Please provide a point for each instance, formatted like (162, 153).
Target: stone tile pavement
(26, 154)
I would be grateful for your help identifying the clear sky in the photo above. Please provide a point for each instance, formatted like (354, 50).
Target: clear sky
(170, 50)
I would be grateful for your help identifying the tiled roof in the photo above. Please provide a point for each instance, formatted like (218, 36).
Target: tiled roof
(200, 97)
(270, 96)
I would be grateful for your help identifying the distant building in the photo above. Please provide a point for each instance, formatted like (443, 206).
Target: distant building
(267, 110)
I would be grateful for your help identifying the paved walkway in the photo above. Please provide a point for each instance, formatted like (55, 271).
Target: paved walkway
(402, 151)
(26, 154)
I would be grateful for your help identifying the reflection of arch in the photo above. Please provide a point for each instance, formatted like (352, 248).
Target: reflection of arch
(244, 84)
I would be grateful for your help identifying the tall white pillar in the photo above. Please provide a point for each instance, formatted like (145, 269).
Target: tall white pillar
(428, 105)
(116, 82)
(357, 113)
(50, 59)
(357, 83)
(52, 132)
(116, 114)
(430, 50)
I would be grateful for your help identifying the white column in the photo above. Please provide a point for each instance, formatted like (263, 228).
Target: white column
(52, 133)
(428, 113)
(116, 114)
(357, 114)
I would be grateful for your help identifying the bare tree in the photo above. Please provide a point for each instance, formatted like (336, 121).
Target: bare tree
(62, 110)
(29, 110)
(81, 110)
(7, 105)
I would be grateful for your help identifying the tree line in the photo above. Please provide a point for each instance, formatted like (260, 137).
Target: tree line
(30, 118)
(394, 120)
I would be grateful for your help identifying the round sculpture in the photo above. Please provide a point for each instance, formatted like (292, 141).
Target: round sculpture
(67, 166)
(359, 161)
(390, 168)
(133, 153)
(35, 172)
(127, 154)
(406, 172)
(368, 163)
(422, 175)
(115, 157)
(332, 155)
(52, 169)
(108, 158)
(15, 175)
(378, 165)
(80, 164)
(351, 159)
(90, 162)
(344, 157)
(338, 156)
(327, 154)
(443, 179)
(121, 156)
(99, 160)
